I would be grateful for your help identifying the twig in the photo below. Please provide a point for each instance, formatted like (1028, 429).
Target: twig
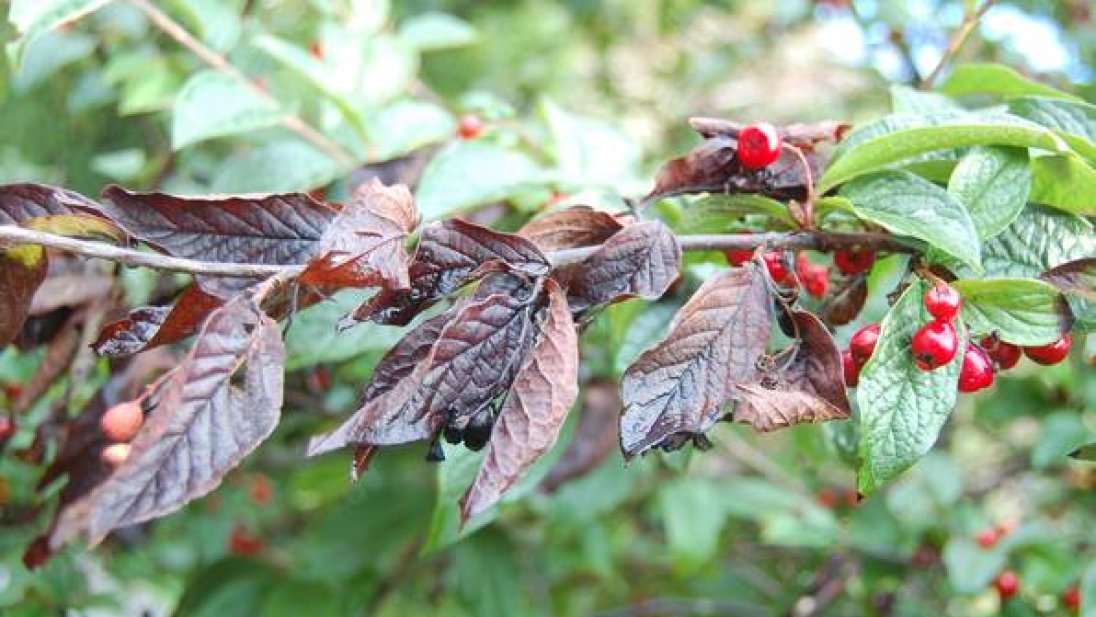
(961, 35)
(816, 240)
(290, 121)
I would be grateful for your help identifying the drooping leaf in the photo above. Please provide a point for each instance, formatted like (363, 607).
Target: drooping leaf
(1022, 311)
(1038, 240)
(1065, 182)
(810, 389)
(1074, 277)
(901, 408)
(681, 384)
(993, 184)
(531, 418)
(364, 245)
(642, 260)
(213, 104)
(448, 256)
(22, 270)
(571, 228)
(1074, 121)
(200, 426)
(846, 301)
(910, 205)
(996, 79)
(151, 326)
(23, 202)
(274, 229)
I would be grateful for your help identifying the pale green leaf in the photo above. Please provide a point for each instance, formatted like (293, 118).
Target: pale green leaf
(1023, 311)
(213, 104)
(432, 31)
(1036, 241)
(280, 167)
(1074, 121)
(996, 79)
(993, 183)
(470, 173)
(1065, 182)
(33, 18)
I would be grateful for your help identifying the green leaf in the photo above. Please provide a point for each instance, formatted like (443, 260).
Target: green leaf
(1065, 182)
(590, 152)
(951, 132)
(471, 173)
(1063, 432)
(212, 104)
(217, 22)
(292, 598)
(50, 53)
(993, 183)
(1074, 121)
(1088, 591)
(33, 18)
(645, 330)
(1038, 240)
(721, 213)
(281, 167)
(902, 408)
(454, 475)
(433, 31)
(488, 576)
(314, 339)
(406, 125)
(1024, 311)
(996, 79)
(693, 518)
(907, 100)
(227, 587)
(909, 205)
(970, 567)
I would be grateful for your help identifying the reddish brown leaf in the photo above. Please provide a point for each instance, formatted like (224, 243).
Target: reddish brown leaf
(532, 416)
(571, 228)
(681, 385)
(450, 254)
(805, 136)
(846, 301)
(364, 245)
(20, 203)
(264, 229)
(1074, 277)
(200, 426)
(152, 326)
(69, 290)
(641, 260)
(596, 435)
(22, 270)
(810, 389)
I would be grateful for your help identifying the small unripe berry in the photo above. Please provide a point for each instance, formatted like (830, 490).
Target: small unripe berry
(943, 301)
(115, 454)
(934, 345)
(122, 422)
(976, 372)
(1052, 353)
(851, 369)
(758, 146)
(853, 261)
(1007, 584)
(987, 538)
(470, 127)
(862, 344)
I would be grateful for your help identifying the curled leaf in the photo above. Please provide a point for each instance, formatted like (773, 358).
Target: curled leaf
(641, 260)
(151, 326)
(571, 228)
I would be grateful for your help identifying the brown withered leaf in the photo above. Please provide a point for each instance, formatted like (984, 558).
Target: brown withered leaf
(152, 326)
(810, 389)
(282, 229)
(364, 245)
(59, 291)
(596, 435)
(571, 228)
(212, 410)
(641, 260)
(1075, 277)
(846, 301)
(681, 385)
(450, 254)
(530, 420)
(22, 270)
(804, 136)
(22, 202)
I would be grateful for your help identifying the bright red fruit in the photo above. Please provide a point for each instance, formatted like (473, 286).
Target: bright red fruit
(774, 261)
(943, 301)
(815, 277)
(977, 370)
(758, 146)
(827, 498)
(1005, 355)
(854, 261)
(121, 422)
(243, 543)
(852, 369)
(862, 344)
(7, 428)
(316, 50)
(470, 127)
(1053, 353)
(1071, 597)
(934, 345)
(987, 538)
(737, 258)
(1007, 584)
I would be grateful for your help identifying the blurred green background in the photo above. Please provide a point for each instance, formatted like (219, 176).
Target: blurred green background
(581, 100)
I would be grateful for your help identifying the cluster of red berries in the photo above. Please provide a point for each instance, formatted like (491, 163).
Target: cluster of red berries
(861, 347)
(120, 425)
(814, 277)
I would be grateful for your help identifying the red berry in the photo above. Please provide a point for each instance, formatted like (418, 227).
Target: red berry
(1005, 355)
(852, 369)
(115, 454)
(737, 258)
(1007, 584)
(243, 543)
(943, 301)
(1071, 597)
(774, 261)
(470, 127)
(977, 370)
(934, 345)
(862, 344)
(316, 49)
(122, 422)
(261, 490)
(987, 538)
(815, 277)
(854, 261)
(7, 428)
(1004, 528)
(1052, 353)
(827, 498)
(758, 146)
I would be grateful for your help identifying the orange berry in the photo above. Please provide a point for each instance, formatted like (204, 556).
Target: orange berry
(122, 422)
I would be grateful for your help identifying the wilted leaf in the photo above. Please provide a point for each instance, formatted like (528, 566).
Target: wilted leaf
(805, 136)
(152, 326)
(641, 260)
(681, 385)
(595, 435)
(272, 229)
(846, 301)
(450, 254)
(533, 414)
(200, 426)
(571, 228)
(364, 245)
(810, 389)
(22, 270)
(71, 289)
(20, 203)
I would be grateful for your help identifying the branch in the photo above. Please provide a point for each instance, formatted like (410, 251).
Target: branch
(290, 121)
(961, 35)
(815, 240)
